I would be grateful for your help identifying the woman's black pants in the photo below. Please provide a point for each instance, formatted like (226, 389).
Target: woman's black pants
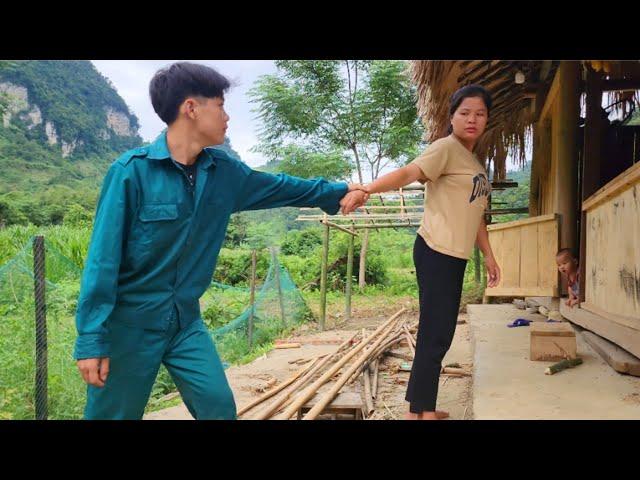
(440, 279)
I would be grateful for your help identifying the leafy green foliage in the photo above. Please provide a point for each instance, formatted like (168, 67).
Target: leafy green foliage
(334, 116)
(513, 197)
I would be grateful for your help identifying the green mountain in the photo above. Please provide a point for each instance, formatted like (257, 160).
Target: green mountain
(61, 124)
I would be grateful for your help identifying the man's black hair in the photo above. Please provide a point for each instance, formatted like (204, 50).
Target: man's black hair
(170, 86)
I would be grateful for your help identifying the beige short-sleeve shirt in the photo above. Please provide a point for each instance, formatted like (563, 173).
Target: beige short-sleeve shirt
(456, 196)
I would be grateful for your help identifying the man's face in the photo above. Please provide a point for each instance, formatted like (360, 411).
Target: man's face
(211, 119)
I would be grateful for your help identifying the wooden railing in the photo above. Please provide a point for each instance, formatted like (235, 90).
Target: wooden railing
(525, 251)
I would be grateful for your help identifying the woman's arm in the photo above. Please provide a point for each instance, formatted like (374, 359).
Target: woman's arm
(396, 179)
(482, 240)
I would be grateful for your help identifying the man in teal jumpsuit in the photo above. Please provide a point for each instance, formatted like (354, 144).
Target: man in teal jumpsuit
(159, 225)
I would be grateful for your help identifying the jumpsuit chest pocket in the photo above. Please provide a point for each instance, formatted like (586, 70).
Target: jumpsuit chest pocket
(155, 229)
(155, 223)
(158, 212)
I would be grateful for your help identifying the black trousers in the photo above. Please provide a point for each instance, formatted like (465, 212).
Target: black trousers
(440, 279)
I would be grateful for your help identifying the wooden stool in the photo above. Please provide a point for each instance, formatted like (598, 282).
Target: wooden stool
(349, 403)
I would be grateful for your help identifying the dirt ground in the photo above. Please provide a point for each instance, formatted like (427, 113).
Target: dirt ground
(252, 380)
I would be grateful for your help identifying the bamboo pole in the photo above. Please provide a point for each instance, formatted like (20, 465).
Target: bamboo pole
(323, 276)
(347, 313)
(367, 391)
(313, 388)
(252, 298)
(476, 257)
(279, 388)
(368, 216)
(410, 341)
(370, 226)
(374, 386)
(331, 394)
(339, 227)
(373, 355)
(268, 411)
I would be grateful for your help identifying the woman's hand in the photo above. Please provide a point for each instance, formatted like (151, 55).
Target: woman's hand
(352, 200)
(493, 272)
(358, 186)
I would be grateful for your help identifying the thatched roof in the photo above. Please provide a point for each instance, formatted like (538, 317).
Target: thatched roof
(509, 128)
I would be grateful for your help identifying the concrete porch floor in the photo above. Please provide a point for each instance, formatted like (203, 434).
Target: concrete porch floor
(507, 385)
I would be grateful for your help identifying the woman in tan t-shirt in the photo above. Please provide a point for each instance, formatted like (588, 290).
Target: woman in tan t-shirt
(456, 194)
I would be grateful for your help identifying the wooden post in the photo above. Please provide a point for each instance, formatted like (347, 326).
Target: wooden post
(566, 136)
(591, 160)
(478, 272)
(41, 399)
(347, 313)
(276, 265)
(363, 261)
(323, 276)
(534, 192)
(252, 298)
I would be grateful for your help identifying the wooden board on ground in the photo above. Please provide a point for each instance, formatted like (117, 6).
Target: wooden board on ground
(626, 337)
(344, 403)
(619, 359)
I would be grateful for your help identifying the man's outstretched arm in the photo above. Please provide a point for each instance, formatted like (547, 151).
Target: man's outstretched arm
(266, 190)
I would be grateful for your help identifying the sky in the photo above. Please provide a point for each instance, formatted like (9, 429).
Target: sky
(131, 79)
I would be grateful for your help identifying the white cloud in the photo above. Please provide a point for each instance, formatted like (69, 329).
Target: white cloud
(131, 80)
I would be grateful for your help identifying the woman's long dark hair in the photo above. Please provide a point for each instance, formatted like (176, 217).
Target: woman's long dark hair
(468, 92)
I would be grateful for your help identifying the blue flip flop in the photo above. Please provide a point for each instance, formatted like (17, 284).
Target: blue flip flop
(520, 322)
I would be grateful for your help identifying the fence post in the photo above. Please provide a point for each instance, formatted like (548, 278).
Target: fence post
(276, 265)
(41, 327)
(347, 313)
(253, 297)
(323, 274)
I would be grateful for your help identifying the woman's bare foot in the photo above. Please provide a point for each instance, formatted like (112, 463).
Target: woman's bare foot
(437, 415)
(412, 416)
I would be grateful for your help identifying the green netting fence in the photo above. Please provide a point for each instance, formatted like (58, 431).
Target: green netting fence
(38, 375)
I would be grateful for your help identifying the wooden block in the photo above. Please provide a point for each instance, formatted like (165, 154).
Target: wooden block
(619, 359)
(552, 341)
(345, 402)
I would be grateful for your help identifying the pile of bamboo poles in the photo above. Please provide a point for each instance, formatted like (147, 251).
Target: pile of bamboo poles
(356, 357)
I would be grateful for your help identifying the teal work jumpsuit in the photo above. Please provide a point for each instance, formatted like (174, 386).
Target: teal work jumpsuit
(152, 254)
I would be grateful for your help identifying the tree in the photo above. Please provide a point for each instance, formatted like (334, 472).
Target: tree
(301, 162)
(330, 113)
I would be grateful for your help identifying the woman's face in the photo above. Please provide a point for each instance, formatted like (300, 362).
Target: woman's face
(470, 119)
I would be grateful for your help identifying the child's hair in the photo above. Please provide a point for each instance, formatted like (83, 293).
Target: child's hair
(568, 251)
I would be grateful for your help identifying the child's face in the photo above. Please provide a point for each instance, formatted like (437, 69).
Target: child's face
(566, 263)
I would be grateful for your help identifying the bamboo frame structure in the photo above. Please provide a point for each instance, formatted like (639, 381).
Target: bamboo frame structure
(406, 214)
